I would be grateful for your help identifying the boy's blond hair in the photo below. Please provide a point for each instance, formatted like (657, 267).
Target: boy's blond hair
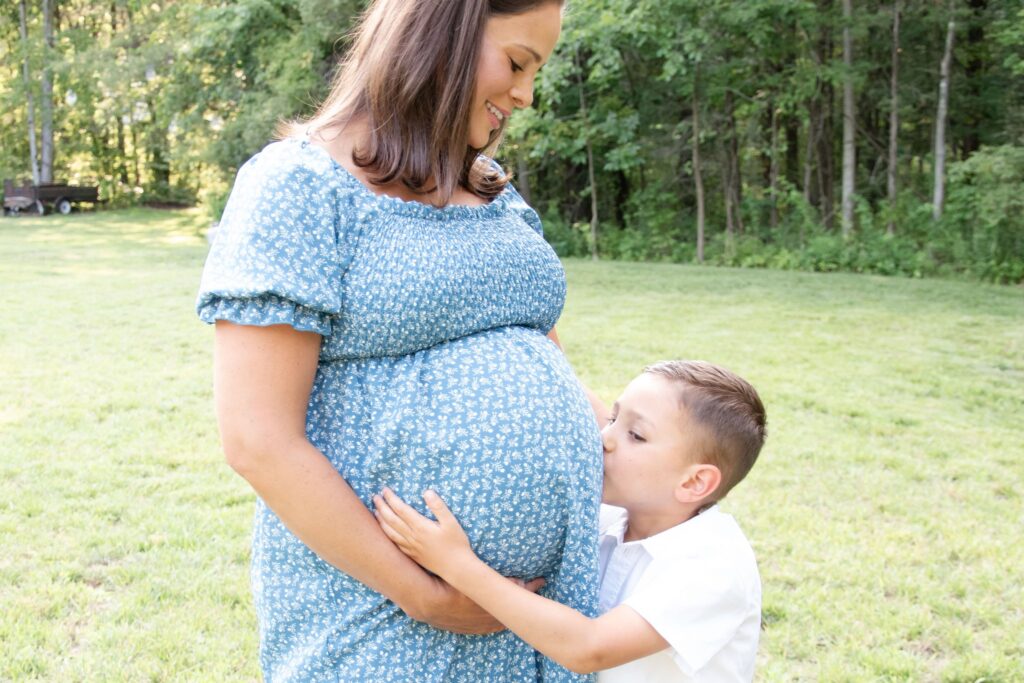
(728, 407)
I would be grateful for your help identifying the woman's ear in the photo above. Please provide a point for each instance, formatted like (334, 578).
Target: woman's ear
(698, 482)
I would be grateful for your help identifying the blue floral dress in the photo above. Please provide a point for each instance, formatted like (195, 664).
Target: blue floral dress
(434, 372)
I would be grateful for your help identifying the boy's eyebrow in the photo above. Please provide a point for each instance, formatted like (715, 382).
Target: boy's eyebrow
(637, 417)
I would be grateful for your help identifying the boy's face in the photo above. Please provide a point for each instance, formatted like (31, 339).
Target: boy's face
(649, 442)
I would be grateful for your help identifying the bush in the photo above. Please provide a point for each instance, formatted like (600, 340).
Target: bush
(984, 213)
(981, 234)
(215, 199)
(567, 240)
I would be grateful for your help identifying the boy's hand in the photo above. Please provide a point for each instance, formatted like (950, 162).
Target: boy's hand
(439, 546)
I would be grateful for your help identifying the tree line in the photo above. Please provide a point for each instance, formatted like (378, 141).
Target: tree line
(874, 136)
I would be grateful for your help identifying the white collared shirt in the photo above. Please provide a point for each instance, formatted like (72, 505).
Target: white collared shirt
(697, 584)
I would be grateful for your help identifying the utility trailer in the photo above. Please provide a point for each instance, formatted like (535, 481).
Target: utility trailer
(31, 198)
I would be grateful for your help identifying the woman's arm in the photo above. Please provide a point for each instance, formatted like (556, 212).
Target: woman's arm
(601, 411)
(262, 381)
(573, 640)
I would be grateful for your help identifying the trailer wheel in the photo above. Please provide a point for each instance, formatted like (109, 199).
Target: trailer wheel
(63, 205)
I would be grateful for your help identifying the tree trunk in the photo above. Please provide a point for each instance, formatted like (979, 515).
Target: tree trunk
(812, 143)
(122, 153)
(698, 179)
(792, 126)
(821, 111)
(622, 193)
(826, 155)
(523, 177)
(735, 175)
(971, 113)
(46, 103)
(938, 196)
(730, 174)
(849, 122)
(159, 152)
(135, 156)
(29, 100)
(773, 172)
(894, 116)
(730, 221)
(590, 165)
(593, 201)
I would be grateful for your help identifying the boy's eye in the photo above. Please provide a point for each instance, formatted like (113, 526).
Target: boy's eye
(610, 419)
(515, 67)
(637, 437)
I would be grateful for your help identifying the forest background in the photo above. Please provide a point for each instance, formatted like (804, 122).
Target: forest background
(883, 137)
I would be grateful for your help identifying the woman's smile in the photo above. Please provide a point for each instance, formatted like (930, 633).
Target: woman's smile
(496, 115)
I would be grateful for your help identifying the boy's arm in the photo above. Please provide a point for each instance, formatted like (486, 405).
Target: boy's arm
(573, 640)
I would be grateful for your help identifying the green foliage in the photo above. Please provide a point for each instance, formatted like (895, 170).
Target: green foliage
(567, 240)
(171, 97)
(984, 215)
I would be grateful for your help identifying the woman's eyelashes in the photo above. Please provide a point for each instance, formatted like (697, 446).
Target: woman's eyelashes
(515, 67)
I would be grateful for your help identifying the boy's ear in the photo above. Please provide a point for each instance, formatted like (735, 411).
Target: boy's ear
(698, 482)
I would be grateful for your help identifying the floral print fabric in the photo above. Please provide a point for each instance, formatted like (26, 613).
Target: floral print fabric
(434, 372)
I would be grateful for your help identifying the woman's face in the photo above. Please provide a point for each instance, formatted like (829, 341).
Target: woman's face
(513, 49)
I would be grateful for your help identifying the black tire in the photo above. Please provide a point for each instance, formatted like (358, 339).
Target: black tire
(63, 206)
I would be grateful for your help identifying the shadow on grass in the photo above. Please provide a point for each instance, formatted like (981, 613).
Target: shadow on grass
(129, 227)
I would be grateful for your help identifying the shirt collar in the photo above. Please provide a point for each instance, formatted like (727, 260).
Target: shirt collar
(617, 529)
(680, 538)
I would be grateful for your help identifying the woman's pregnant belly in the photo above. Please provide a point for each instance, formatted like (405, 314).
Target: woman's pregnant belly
(495, 422)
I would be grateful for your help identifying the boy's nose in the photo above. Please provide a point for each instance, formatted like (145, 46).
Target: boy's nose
(607, 439)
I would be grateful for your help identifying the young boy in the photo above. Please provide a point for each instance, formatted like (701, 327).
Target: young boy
(680, 595)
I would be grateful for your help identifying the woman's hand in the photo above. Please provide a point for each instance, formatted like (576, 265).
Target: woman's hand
(439, 546)
(448, 609)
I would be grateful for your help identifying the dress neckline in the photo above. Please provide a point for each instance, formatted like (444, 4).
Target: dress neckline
(407, 207)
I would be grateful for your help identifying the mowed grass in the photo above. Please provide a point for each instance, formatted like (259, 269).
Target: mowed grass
(886, 509)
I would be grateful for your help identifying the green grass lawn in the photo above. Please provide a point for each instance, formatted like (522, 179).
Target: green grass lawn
(886, 509)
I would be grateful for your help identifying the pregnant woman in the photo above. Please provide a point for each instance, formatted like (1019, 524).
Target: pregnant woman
(383, 301)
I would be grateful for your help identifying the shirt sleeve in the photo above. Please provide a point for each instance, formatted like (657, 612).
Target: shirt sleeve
(525, 211)
(695, 604)
(517, 204)
(275, 257)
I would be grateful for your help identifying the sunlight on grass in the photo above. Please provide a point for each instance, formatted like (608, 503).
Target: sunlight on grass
(885, 510)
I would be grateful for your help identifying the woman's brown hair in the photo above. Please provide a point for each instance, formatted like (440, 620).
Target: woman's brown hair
(410, 73)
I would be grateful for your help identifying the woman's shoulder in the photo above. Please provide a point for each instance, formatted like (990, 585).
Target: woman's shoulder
(515, 203)
(288, 161)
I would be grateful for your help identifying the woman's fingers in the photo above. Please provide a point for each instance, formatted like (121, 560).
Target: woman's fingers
(534, 585)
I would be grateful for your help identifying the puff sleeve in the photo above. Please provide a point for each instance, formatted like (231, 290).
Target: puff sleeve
(525, 211)
(277, 256)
